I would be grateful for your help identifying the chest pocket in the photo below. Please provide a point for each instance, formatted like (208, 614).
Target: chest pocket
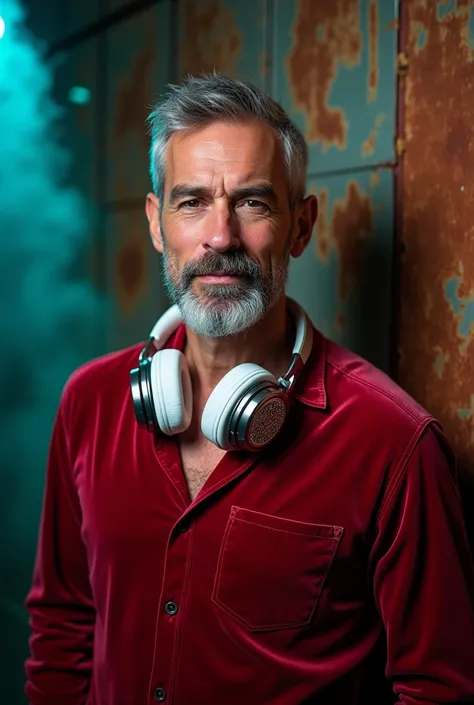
(271, 570)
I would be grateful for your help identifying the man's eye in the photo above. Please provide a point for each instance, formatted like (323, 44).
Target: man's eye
(193, 203)
(254, 205)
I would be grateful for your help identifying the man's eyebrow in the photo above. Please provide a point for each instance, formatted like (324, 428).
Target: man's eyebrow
(187, 191)
(259, 190)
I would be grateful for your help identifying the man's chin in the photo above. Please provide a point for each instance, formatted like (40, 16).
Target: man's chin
(218, 315)
(222, 293)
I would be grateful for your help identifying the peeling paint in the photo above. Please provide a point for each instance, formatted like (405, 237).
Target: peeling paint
(368, 147)
(462, 307)
(351, 225)
(392, 26)
(374, 179)
(373, 77)
(348, 226)
(422, 36)
(437, 267)
(470, 30)
(439, 364)
(211, 38)
(379, 119)
(343, 280)
(451, 294)
(312, 65)
(339, 72)
(444, 8)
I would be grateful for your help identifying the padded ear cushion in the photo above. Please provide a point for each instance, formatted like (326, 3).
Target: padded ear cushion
(171, 391)
(225, 396)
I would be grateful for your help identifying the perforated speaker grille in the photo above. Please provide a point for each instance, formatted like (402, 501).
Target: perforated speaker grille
(266, 421)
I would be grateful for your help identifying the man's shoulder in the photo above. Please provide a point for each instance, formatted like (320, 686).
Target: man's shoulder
(105, 375)
(371, 391)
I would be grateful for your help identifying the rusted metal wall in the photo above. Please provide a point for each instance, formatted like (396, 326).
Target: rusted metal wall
(436, 270)
(332, 66)
(138, 67)
(333, 69)
(229, 36)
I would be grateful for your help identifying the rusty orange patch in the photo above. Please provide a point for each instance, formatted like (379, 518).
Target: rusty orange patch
(325, 35)
(436, 219)
(373, 77)
(368, 147)
(346, 228)
(210, 40)
(351, 225)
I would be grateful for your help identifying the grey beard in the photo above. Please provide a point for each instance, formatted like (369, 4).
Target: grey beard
(231, 308)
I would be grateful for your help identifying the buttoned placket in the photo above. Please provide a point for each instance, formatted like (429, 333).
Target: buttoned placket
(176, 576)
(173, 595)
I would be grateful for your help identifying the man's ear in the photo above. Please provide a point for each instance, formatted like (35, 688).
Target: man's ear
(152, 209)
(306, 215)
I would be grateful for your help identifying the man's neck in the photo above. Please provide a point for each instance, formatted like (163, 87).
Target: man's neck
(268, 344)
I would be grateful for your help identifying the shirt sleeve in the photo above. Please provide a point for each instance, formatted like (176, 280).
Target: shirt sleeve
(60, 602)
(424, 579)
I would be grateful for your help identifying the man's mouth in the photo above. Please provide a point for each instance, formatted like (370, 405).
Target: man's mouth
(219, 278)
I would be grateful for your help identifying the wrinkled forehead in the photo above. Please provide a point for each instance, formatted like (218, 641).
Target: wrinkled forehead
(226, 155)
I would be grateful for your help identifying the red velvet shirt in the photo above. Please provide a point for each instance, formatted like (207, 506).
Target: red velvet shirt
(315, 572)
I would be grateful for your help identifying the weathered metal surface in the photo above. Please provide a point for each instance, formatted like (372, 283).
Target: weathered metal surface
(133, 278)
(335, 74)
(138, 62)
(343, 278)
(437, 268)
(226, 35)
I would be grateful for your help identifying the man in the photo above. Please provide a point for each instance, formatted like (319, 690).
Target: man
(331, 566)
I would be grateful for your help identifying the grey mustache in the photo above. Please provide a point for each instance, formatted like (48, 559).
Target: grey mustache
(236, 265)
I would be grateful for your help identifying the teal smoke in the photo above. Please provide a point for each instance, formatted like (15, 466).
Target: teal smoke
(47, 312)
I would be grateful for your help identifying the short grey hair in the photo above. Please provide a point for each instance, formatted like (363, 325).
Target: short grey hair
(202, 100)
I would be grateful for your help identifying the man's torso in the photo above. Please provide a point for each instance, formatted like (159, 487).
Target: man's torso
(267, 562)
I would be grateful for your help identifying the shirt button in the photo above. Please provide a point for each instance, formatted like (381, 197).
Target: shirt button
(171, 608)
(160, 695)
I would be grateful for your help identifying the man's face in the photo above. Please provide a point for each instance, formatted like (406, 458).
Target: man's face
(224, 227)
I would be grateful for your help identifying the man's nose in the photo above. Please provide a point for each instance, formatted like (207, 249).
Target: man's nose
(222, 228)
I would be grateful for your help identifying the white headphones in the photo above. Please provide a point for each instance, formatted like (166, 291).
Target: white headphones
(247, 408)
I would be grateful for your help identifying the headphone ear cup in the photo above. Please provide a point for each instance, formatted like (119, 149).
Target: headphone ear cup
(217, 414)
(171, 390)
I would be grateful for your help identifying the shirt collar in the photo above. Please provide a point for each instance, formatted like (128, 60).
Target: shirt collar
(310, 387)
